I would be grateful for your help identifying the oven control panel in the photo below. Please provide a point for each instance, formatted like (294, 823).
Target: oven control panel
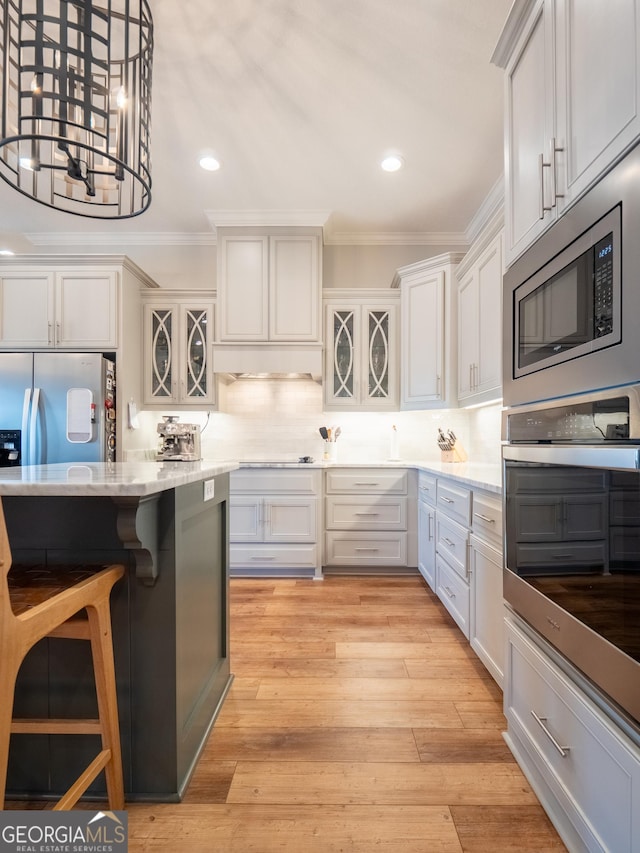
(589, 421)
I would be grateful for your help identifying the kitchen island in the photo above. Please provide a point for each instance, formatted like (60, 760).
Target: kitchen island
(168, 523)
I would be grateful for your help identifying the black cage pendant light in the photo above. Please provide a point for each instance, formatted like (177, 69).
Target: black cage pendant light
(76, 104)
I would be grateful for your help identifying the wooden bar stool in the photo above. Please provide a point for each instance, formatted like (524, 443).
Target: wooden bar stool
(37, 602)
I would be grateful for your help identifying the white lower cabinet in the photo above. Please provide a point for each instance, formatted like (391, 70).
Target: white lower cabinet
(370, 518)
(453, 502)
(460, 557)
(486, 629)
(584, 769)
(275, 522)
(485, 568)
(453, 590)
(427, 528)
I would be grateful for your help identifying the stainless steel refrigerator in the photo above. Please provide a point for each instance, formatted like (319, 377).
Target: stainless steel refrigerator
(57, 407)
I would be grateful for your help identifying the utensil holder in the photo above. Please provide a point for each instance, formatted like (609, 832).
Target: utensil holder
(456, 454)
(330, 451)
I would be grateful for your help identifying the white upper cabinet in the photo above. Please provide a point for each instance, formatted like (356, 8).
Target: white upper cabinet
(70, 309)
(427, 340)
(572, 96)
(598, 88)
(480, 325)
(530, 127)
(177, 350)
(361, 369)
(269, 288)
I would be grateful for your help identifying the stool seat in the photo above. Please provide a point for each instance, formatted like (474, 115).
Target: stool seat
(30, 586)
(60, 601)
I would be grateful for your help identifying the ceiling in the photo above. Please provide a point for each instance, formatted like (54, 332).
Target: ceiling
(299, 100)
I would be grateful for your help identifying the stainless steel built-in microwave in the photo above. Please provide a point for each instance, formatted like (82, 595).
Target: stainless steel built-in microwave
(572, 301)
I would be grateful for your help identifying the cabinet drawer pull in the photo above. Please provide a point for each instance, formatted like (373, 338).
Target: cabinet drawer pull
(367, 549)
(367, 513)
(449, 542)
(263, 559)
(563, 750)
(446, 500)
(367, 484)
(562, 556)
(484, 518)
(449, 592)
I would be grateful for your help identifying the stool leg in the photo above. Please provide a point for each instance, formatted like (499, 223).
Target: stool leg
(103, 664)
(8, 674)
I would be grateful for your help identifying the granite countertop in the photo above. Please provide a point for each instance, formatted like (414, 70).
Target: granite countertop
(106, 478)
(481, 475)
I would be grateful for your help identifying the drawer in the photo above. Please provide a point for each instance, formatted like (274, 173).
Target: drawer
(452, 543)
(552, 555)
(427, 488)
(273, 556)
(367, 480)
(349, 513)
(486, 518)
(590, 767)
(270, 480)
(366, 549)
(455, 501)
(454, 593)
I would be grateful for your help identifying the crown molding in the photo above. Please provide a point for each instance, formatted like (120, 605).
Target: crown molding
(131, 238)
(518, 15)
(396, 238)
(491, 210)
(261, 218)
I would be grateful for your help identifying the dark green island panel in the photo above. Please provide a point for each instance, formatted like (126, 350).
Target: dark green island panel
(170, 626)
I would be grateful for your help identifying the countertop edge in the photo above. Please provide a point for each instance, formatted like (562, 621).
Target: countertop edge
(479, 475)
(119, 479)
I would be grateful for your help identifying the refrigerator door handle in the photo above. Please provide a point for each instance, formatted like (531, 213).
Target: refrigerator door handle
(33, 427)
(26, 405)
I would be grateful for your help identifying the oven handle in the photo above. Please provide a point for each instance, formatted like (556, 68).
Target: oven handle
(584, 456)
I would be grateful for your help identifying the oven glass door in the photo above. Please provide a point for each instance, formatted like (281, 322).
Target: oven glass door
(572, 532)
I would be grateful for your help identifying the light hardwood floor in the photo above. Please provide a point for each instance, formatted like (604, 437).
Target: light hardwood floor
(359, 720)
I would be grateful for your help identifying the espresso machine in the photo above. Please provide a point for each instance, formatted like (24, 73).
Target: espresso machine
(178, 442)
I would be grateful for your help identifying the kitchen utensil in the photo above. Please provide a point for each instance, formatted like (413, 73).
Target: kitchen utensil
(323, 433)
(338, 431)
(444, 442)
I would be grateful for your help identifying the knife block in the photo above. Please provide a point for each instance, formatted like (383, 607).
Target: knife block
(458, 454)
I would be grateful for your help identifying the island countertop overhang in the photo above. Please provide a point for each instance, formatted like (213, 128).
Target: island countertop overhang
(116, 479)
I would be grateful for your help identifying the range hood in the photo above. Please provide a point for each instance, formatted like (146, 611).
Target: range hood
(258, 360)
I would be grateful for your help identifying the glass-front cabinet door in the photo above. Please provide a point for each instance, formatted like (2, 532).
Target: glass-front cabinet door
(361, 362)
(178, 353)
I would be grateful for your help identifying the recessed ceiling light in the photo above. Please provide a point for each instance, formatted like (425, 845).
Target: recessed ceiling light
(392, 163)
(210, 163)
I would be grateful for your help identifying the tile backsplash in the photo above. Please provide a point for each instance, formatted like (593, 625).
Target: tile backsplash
(279, 420)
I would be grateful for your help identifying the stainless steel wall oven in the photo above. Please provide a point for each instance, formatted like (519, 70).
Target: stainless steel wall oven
(572, 533)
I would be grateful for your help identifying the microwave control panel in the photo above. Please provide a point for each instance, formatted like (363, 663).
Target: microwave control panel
(603, 287)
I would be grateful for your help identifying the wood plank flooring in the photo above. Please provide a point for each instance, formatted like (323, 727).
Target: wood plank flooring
(359, 720)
